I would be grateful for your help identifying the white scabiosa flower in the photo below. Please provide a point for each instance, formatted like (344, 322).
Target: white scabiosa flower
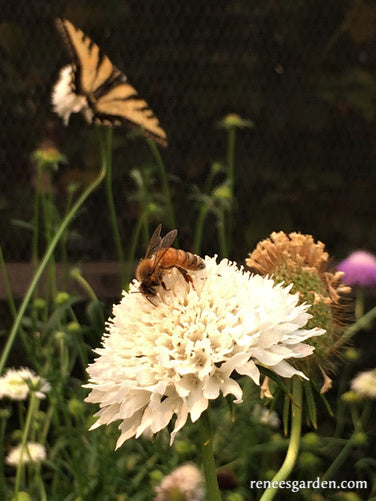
(16, 384)
(65, 101)
(365, 384)
(32, 453)
(266, 416)
(185, 484)
(171, 356)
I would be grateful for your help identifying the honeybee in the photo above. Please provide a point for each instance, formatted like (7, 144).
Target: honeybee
(160, 257)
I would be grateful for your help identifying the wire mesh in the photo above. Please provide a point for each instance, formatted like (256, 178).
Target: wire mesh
(303, 72)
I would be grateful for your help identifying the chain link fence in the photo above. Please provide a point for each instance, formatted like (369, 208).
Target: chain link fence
(302, 71)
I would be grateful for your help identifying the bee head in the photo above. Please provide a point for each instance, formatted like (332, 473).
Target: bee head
(147, 290)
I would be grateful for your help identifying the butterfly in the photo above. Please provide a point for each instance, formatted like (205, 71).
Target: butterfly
(99, 89)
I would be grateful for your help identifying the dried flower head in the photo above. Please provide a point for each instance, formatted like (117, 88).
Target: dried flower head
(32, 453)
(183, 484)
(172, 357)
(298, 259)
(359, 269)
(365, 384)
(17, 384)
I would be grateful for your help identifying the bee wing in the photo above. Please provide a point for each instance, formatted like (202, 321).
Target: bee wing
(154, 241)
(163, 246)
(168, 239)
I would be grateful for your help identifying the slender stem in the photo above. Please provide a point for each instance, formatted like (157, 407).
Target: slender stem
(359, 303)
(293, 449)
(33, 406)
(34, 245)
(204, 210)
(361, 323)
(165, 186)
(38, 273)
(64, 242)
(50, 228)
(134, 242)
(13, 309)
(3, 425)
(231, 178)
(231, 157)
(76, 274)
(206, 436)
(200, 228)
(112, 209)
(8, 288)
(342, 456)
(222, 234)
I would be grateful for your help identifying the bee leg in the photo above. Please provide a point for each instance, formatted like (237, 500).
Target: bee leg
(186, 275)
(150, 301)
(164, 286)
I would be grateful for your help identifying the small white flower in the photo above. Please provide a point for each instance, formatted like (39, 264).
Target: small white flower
(16, 384)
(173, 356)
(32, 453)
(65, 101)
(184, 483)
(266, 416)
(365, 384)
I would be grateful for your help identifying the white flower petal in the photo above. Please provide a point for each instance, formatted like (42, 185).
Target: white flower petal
(284, 369)
(65, 101)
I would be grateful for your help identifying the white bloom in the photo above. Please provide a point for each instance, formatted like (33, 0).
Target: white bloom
(173, 356)
(16, 384)
(65, 101)
(365, 383)
(32, 453)
(266, 416)
(184, 483)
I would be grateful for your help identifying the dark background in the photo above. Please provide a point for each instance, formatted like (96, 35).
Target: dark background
(302, 70)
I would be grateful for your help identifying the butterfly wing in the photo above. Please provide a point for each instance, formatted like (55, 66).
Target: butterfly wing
(112, 100)
(92, 67)
(123, 104)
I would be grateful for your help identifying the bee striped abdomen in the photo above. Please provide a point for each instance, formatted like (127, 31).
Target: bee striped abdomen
(184, 259)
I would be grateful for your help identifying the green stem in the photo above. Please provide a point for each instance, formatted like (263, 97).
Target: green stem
(3, 425)
(8, 288)
(363, 322)
(342, 456)
(63, 226)
(293, 449)
(34, 251)
(13, 309)
(135, 239)
(359, 303)
(76, 275)
(165, 186)
(200, 228)
(206, 436)
(112, 209)
(204, 210)
(231, 178)
(64, 243)
(33, 407)
(222, 234)
(231, 157)
(47, 203)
